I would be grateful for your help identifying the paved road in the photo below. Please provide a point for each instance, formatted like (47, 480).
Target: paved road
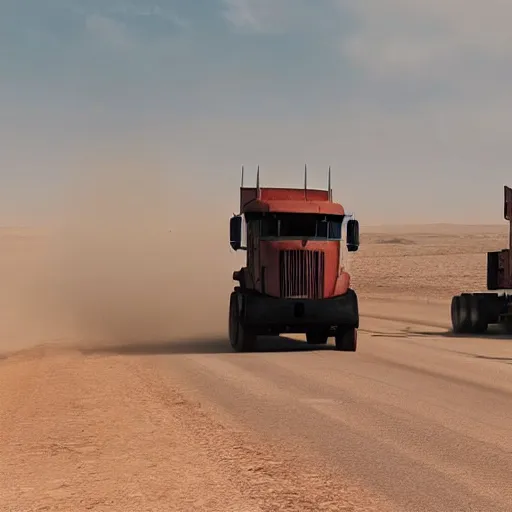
(418, 416)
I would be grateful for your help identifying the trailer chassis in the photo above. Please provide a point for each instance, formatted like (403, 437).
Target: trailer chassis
(474, 312)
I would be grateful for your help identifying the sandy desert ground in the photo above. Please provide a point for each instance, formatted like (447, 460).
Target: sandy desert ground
(114, 397)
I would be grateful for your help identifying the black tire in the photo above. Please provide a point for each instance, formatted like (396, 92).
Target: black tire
(460, 313)
(455, 313)
(241, 339)
(507, 325)
(233, 322)
(465, 313)
(346, 339)
(316, 338)
(457, 323)
(477, 314)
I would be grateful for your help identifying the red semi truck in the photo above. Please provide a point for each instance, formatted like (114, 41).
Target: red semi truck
(292, 281)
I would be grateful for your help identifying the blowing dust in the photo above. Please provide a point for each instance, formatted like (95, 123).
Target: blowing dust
(132, 258)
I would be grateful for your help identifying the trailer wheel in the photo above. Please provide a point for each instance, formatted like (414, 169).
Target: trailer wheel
(455, 313)
(241, 339)
(316, 338)
(477, 314)
(346, 339)
(460, 314)
(507, 325)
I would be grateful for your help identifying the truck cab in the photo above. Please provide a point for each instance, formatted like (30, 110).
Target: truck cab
(292, 281)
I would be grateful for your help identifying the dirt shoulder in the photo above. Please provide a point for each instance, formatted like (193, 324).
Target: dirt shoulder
(109, 433)
(427, 263)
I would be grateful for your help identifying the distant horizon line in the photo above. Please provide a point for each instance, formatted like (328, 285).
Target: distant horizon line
(479, 224)
(503, 224)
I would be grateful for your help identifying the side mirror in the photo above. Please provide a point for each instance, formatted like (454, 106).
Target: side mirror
(235, 232)
(352, 235)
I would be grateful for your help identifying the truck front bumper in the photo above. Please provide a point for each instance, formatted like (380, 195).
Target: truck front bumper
(265, 314)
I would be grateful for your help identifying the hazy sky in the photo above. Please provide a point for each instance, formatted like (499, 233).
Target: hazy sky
(410, 102)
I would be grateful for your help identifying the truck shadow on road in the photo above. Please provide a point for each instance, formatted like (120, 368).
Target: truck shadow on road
(507, 360)
(213, 345)
(492, 334)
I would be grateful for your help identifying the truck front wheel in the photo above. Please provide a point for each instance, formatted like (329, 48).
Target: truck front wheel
(241, 339)
(346, 339)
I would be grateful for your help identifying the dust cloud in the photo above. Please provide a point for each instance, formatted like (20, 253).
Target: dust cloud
(131, 258)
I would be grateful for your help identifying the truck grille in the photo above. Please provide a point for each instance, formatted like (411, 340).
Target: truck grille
(301, 274)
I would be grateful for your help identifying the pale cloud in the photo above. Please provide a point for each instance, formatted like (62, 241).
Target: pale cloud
(125, 24)
(243, 16)
(395, 39)
(145, 10)
(108, 30)
(277, 16)
(420, 39)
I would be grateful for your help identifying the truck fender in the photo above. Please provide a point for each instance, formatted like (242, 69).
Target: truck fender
(342, 283)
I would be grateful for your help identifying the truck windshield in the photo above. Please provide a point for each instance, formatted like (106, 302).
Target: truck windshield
(301, 225)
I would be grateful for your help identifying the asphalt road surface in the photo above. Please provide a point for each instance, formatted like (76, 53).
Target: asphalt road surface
(415, 420)
(417, 416)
